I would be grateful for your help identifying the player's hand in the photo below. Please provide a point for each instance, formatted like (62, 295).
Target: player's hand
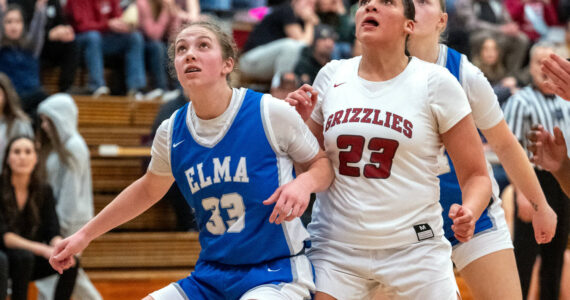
(304, 100)
(548, 151)
(64, 251)
(463, 222)
(557, 70)
(291, 201)
(544, 224)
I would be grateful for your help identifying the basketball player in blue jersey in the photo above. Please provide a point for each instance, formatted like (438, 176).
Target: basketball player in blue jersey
(487, 261)
(231, 152)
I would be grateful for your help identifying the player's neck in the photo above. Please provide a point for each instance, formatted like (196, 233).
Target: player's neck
(211, 102)
(382, 64)
(425, 49)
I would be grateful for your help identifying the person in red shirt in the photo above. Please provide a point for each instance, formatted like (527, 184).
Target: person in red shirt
(101, 31)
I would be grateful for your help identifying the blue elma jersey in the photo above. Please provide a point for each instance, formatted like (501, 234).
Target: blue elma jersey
(226, 183)
(450, 191)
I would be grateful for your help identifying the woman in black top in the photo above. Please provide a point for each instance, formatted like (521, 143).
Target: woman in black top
(28, 222)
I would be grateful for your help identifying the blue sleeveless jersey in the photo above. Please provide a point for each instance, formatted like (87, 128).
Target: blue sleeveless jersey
(225, 185)
(449, 189)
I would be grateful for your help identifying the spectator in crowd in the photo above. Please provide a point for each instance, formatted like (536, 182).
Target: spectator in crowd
(68, 171)
(100, 31)
(488, 58)
(274, 45)
(28, 222)
(480, 17)
(13, 121)
(334, 13)
(316, 56)
(60, 48)
(188, 10)
(534, 105)
(20, 51)
(158, 20)
(534, 17)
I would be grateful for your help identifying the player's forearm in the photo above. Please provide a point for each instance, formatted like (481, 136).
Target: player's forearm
(131, 202)
(476, 193)
(319, 175)
(521, 173)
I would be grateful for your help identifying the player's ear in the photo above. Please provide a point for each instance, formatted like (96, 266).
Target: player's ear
(228, 66)
(409, 26)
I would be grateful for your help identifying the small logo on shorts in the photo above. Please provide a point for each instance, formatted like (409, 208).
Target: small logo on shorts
(273, 270)
(423, 231)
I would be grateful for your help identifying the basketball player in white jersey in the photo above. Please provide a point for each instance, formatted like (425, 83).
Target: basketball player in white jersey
(231, 152)
(486, 262)
(382, 119)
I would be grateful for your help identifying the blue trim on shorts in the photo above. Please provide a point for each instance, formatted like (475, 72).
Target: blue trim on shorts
(213, 281)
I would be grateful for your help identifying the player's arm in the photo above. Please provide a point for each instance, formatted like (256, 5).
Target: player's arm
(521, 173)
(294, 139)
(459, 135)
(131, 202)
(466, 151)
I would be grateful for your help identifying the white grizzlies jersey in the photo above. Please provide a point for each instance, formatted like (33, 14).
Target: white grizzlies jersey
(383, 139)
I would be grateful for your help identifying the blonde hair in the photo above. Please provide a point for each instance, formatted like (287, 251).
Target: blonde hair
(226, 42)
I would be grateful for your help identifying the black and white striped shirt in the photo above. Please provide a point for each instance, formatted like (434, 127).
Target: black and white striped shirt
(529, 106)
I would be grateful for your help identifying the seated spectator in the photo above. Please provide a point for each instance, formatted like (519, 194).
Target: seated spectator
(534, 17)
(20, 51)
(274, 45)
(487, 57)
(314, 57)
(157, 19)
(68, 171)
(483, 16)
(28, 222)
(60, 48)
(13, 121)
(334, 13)
(100, 31)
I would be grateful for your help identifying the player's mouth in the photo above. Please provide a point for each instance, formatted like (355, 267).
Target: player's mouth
(370, 22)
(192, 69)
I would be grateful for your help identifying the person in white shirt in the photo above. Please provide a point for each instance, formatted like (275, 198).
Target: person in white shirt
(486, 262)
(382, 119)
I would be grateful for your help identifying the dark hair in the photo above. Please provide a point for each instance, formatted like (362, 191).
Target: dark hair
(410, 13)
(226, 42)
(9, 208)
(21, 42)
(12, 109)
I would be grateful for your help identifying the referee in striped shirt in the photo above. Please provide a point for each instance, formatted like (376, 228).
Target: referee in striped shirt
(532, 105)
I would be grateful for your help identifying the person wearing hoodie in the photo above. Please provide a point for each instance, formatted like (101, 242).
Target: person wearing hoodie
(68, 171)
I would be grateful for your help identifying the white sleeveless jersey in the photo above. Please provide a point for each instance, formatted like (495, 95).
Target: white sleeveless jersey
(383, 139)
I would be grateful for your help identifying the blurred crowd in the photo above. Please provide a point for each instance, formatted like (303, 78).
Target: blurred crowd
(45, 186)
